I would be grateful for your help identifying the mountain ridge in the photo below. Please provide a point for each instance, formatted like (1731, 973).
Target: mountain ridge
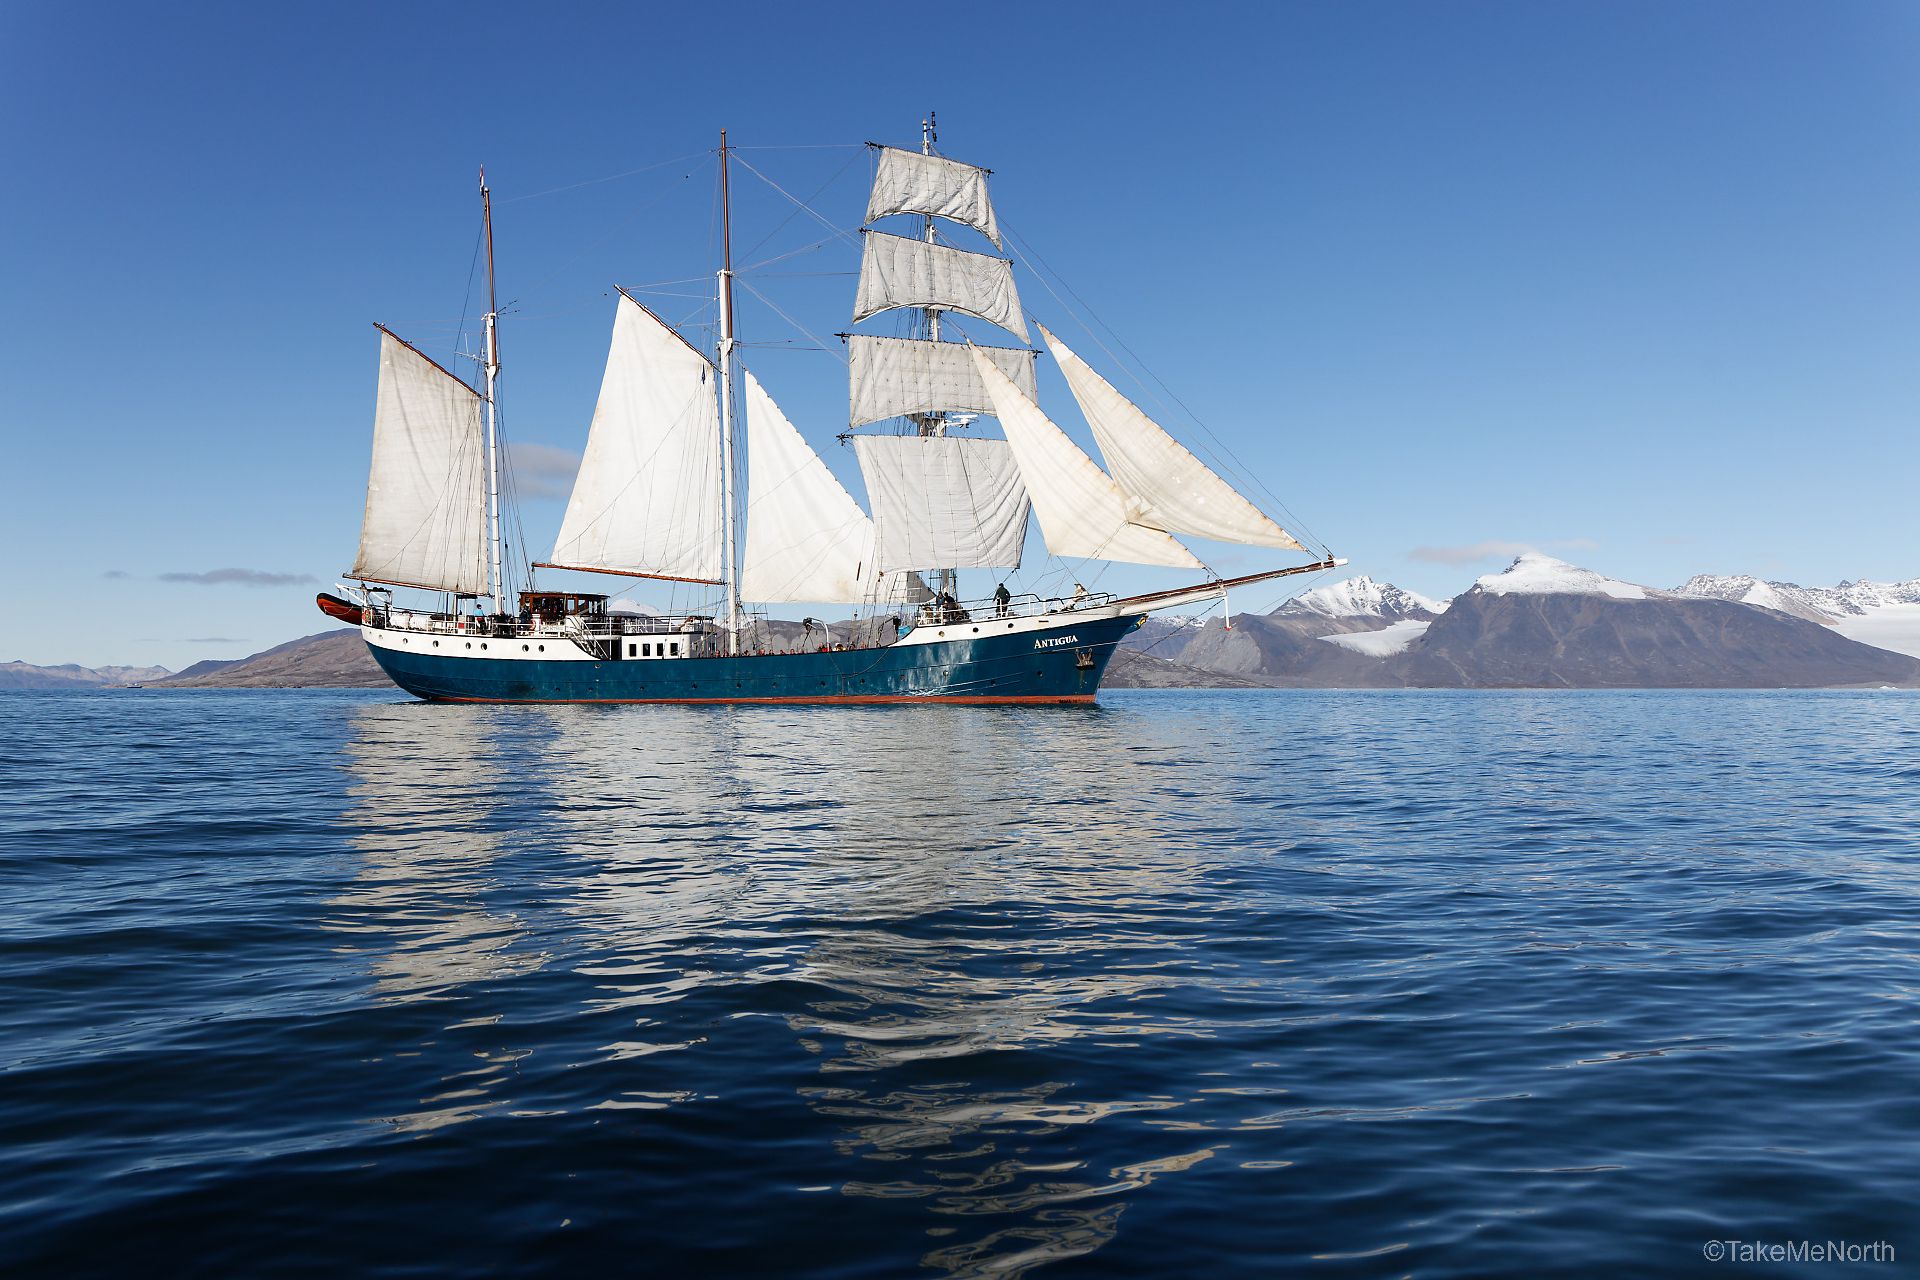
(1540, 623)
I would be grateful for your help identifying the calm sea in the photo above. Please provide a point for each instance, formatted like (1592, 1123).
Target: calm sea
(1190, 984)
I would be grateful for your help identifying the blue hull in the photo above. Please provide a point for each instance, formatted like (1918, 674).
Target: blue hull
(1061, 664)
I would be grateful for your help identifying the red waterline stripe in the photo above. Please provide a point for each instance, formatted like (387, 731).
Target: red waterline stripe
(969, 700)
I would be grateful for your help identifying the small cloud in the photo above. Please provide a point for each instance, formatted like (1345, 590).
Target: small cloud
(116, 574)
(1468, 554)
(239, 578)
(216, 640)
(1496, 549)
(543, 471)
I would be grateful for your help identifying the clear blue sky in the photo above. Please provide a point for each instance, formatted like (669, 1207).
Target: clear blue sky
(1632, 283)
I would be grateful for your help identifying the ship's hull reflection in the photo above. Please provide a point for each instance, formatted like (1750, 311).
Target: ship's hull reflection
(942, 907)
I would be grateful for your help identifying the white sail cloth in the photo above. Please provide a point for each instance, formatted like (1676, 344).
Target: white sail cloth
(909, 182)
(893, 376)
(807, 539)
(1177, 491)
(898, 272)
(941, 502)
(1082, 512)
(646, 502)
(425, 523)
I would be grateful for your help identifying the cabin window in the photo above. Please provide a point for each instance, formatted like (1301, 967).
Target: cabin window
(676, 648)
(633, 651)
(646, 651)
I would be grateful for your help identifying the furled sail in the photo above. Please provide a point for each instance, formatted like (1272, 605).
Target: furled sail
(894, 376)
(807, 539)
(942, 502)
(898, 272)
(647, 500)
(1083, 513)
(909, 182)
(1177, 491)
(425, 523)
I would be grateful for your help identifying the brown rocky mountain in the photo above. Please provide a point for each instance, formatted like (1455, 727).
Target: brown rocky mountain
(335, 659)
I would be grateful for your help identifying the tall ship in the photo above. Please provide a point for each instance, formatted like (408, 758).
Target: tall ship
(663, 493)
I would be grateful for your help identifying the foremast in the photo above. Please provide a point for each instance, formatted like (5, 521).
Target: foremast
(935, 422)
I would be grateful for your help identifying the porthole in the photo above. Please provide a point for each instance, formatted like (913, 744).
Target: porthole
(483, 644)
(976, 631)
(469, 644)
(943, 633)
(523, 648)
(543, 648)
(436, 644)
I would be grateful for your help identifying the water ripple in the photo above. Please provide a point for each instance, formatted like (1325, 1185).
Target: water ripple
(1336, 983)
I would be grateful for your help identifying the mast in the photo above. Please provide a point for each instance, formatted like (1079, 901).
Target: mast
(495, 571)
(725, 284)
(934, 424)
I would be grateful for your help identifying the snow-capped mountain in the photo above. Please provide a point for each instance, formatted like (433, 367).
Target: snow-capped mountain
(1362, 597)
(1533, 574)
(1786, 597)
(1883, 614)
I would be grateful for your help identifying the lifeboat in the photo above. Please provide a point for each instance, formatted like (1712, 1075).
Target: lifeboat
(342, 610)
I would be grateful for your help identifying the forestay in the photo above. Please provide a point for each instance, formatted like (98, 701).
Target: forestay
(807, 539)
(647, 500)
(898, 272)
(941, 502)
(1177, 491)
(910, 182)
(1082, 512)
(889, 377)
(425, 522)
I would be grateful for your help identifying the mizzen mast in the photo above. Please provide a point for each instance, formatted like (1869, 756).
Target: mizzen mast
(495, 567)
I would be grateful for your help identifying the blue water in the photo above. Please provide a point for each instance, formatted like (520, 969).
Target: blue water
(1212, 983)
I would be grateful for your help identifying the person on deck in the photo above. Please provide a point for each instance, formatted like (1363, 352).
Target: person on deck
(1079, 595)
(1001, 598)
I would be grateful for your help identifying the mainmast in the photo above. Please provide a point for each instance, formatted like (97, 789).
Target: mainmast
(726, 401)
(495, 571)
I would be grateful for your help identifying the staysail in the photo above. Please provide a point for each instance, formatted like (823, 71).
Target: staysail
(646, 502)
(425, 523)
(1082, 512)
(943, 502)
(913, 182)
(1177, 491)
(807, 539)
(898, 272)
(890, 377)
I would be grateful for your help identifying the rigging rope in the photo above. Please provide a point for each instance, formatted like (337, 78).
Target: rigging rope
(594, 182)
(1233, 464)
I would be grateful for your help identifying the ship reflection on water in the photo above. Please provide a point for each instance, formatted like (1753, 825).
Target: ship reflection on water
(885, 941)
